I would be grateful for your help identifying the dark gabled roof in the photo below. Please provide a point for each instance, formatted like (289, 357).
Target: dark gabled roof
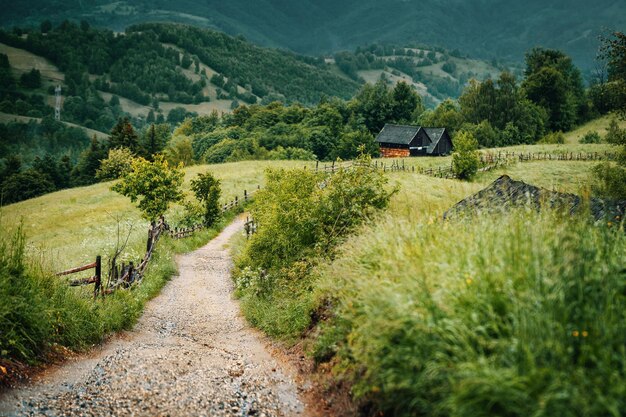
(434, 133)
(402, 135)
(506, 193)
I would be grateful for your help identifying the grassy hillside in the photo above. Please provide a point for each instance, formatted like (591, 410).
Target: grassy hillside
(70, 225)
(73, 226)
(505, 29)
(434, 72)
(599, 125)
(143, 65)
(424, 317)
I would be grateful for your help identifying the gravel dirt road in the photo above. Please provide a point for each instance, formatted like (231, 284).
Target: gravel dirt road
(191, 354)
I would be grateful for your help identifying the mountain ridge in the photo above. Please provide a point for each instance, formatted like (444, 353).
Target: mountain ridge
(483, 28)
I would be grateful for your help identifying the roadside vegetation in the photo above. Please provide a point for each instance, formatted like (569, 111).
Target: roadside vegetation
(41, 316)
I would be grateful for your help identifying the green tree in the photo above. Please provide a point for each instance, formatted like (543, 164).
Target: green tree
(465, 156)
(84, 172)
(374, 104)
(4, 61)
(116, 165)
(123, 135)
(446, 115)
(612, 176)
(180, 151)
(207, 191)
(154, 140)
(45, 26)
(351, 144)
(24, 185)
(553, 82)
(31, 79)
(614, 51)
(406, 103)
(154, 184)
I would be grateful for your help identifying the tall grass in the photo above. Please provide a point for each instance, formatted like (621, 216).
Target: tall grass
(39, 311)
(520, 315)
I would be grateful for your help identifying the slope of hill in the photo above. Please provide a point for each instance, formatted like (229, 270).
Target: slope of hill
(434, 72)
(501, 28)
(173, 63)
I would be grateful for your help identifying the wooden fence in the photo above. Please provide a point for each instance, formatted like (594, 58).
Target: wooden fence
(492, 160)
(126, 275)
(95, 279)
(179, 233)
(250, 227)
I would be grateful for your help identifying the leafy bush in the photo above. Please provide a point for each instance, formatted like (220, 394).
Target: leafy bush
(512, 315)
(302, 216)
(207, 191)
(611, 176)
(116, 165)
(591, 137)
(465, 156)
(553, 138)
(36, 310)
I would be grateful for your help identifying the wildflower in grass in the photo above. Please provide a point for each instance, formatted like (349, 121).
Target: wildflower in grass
(575, 333)
(584, 333)
(609, 224)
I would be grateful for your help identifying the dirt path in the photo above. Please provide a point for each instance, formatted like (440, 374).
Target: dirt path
(190, 354)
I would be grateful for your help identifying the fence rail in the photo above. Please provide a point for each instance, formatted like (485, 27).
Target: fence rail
(95, 279)
(127, 275)
(492, 160)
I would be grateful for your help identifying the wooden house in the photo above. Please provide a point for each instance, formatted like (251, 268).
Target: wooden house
(397, 141)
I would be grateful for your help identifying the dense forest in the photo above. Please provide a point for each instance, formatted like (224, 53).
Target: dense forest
(501, 29)
(138, 65)
(443, 73)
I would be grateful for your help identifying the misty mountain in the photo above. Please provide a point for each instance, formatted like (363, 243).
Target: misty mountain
(505, 29)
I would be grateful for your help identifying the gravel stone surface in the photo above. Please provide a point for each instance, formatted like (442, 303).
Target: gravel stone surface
(191, 354)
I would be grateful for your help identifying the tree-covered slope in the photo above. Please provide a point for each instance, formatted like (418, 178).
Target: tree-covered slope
(487, 28)
(149, 62)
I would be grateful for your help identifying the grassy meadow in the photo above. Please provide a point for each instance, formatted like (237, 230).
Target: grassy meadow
(420, 316)
(72, 226)
(517, 314)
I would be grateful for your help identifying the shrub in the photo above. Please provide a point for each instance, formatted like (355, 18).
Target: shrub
(207, 191)
(25, 185)
(303, 212)
(302, 216)
(553, 138)
(591, 137)
(611, 176)
(465, 156)
(116, 165)
(36, 310)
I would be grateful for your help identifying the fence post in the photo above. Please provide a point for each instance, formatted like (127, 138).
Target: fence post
(96, 290)
(245, 195)
(150, 234)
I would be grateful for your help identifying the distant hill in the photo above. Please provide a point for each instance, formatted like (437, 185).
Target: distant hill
(153, 71)
(503, 29)
(435, 73)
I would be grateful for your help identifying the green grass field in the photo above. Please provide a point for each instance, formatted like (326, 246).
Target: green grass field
(598, 125)
(71, 227)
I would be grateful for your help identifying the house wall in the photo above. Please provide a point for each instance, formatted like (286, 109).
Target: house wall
(421, 139)
(386, 152)
(444, 146)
